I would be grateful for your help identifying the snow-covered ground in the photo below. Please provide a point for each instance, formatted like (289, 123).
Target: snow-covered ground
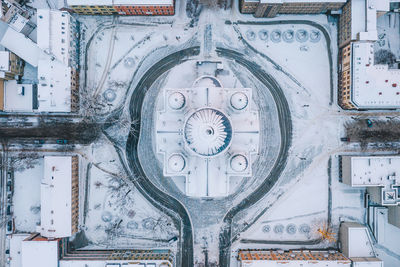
(117, 215)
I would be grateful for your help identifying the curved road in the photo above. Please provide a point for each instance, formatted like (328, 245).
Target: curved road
(285, 123)
(168, 203)
(157, 197)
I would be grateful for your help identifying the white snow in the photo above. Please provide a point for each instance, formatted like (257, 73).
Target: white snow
(56, 189)
(43, 253)
(26, 198)
(18, 97)
(16, 248)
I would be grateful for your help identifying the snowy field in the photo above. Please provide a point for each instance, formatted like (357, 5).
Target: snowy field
(117, 215)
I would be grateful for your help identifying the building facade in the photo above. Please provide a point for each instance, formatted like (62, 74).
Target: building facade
(292, 258)
(10, 65)
(58, 36)
(123, 7)
(271, 8)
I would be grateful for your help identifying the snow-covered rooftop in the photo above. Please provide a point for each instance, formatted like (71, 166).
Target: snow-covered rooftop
(374, 171)
(39, 252)
(119, 2)
(56, 196)
(16, 248)
(373, 86)
(356, 240)
(207, 135)
(54, 33)
(19, 44)
(54, 87)
(18, 97)
(364, 18)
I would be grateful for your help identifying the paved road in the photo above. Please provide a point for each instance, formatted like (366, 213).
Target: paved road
(160, 199)
(285, 123)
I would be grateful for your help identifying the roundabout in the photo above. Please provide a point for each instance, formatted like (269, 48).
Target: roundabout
(274, 135)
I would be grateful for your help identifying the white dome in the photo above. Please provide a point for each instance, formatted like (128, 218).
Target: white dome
(176, 100)
(239, 163)
(176, 163)
(239, 100)
(208, 132)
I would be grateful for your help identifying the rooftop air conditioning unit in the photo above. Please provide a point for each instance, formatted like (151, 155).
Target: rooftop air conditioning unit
(21, 90)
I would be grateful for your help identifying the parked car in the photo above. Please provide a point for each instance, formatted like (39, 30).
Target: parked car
(8, 209)
(9, 226)
(369, 123)
(62, 141)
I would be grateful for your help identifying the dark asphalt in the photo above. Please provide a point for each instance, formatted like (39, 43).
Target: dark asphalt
(285, 123)
(160, 199)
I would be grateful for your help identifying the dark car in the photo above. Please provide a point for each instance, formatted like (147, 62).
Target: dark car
(9, 226)
(369, 123)
(61, 141)
(8, 210)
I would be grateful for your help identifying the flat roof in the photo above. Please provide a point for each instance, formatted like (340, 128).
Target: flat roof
(43, 253)
(16, 248)
(50, 36)
(19, 44)
(18, 97)
(373, 86)
(374, 171)
(55, 191)
(119, 2)
(54, 87)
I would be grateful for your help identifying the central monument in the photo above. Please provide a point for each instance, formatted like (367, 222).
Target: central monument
(207, 137)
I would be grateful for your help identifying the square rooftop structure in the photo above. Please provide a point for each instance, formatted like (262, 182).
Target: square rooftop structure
(380, 174)
(38, 251)
(206, 135)
(373, 86)
(19, 97)
(59, 197)
(357, 245)
(293, 258)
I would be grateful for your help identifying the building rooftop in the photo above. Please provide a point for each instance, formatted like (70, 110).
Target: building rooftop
(374, 86)
(56, 198)
(374, 171)
(39, 252)
(18, 97)
(118, 2)
(19, 44)
(16, 248)
(207, 135)
(54, 87)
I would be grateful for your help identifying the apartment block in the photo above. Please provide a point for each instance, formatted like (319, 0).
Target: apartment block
(123, 7)
(58, 35)
(59, 197)
(271, 8)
